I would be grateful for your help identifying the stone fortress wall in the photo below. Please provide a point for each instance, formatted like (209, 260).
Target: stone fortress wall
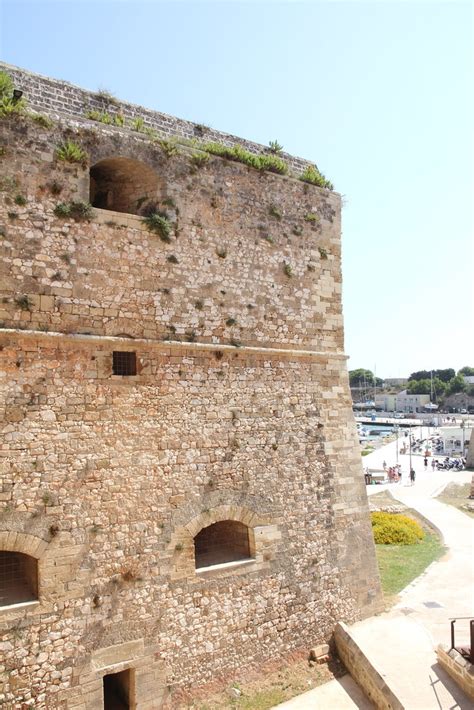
(239, 412)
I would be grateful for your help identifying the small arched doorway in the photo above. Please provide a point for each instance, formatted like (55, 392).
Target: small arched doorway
(122, 185)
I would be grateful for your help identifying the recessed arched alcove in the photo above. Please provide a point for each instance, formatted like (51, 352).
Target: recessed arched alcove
(122, 185)
(224, 541)
(18, 578)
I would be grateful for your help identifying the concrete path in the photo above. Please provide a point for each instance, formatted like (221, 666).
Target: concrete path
(401, 643)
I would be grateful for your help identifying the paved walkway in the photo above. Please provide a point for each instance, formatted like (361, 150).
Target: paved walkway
(401, 642)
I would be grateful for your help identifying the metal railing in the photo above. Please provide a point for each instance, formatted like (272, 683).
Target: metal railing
(465, 652)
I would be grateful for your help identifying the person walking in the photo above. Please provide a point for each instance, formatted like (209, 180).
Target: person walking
(412, 476)
(426, 463)
(433, 464)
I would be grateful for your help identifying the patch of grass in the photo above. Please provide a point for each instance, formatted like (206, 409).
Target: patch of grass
(313, 176)
(107, 118)
(297, 230)
(138, 125)
(230, 322)
(221, 252)
(42, 120)
(199, 160)
(172, 259)
(7, 184)
(311, 217)
(401, 564)
(288, 270)
(272, 684)
(274, 211)
(20, 200)
(323, 253)
(71, 152)
(79, 211)
(159, 223)
(270, 163)
(169, 147)
(457, 495)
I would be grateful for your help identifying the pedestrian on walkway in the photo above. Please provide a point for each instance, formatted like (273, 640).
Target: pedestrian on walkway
(426, 462)
(412, 476)
(433, 464)
(384, 465)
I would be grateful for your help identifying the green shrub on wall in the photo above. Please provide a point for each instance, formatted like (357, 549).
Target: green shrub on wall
(395, 529)
(70, 152)
(8, 103)
(315, 177)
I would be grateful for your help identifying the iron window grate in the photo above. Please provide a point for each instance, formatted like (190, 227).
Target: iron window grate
(124, 363)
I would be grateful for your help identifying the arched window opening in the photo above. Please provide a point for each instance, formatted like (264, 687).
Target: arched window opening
(225, 541)
(122, 185)
(18, 578)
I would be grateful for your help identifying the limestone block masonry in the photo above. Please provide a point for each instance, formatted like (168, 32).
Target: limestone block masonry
(238, 410)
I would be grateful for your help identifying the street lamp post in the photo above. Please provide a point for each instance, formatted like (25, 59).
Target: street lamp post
(410, 452)
(463, 424)
(396, 428)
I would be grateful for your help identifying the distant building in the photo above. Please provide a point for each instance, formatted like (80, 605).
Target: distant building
(411, 402)
(386, 402)
(402, 402)
(469, 379)
(455, 440)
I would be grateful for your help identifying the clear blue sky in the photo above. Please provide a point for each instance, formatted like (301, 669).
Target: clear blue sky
(379, 94)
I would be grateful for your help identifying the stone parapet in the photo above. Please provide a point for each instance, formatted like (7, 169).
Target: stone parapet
(60, 98)
(460, 669)
(363, 671)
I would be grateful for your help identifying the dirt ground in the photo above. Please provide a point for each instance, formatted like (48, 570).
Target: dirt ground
(269, 685)
(457, 494)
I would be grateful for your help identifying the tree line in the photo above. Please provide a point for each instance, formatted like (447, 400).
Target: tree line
(442, 382)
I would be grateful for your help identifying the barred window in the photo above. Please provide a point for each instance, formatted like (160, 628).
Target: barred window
(124, 363)
(18, 578)
(225, 541)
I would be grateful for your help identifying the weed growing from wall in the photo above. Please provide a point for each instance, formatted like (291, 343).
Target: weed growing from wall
(313, 176)
(271, 163)
(199, 160)
(24, 303)
(71, 152)
(275, 147)
(159, 223)
(41, 120)
(168, 147)
(274, 211)
(79, 211)
(8, 104)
